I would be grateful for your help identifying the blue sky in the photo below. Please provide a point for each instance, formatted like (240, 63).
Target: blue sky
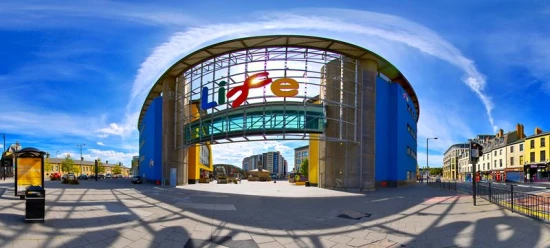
(78, 72)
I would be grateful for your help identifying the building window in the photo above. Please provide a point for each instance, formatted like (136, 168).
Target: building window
(532, 157)
(542, 156)
(520, 160)
(542, 142)
(495, 164)
(500, 161)
(521, 147)
(511, 149)
(495, 153)
(511, 160)
(532, 143)
(500, 151)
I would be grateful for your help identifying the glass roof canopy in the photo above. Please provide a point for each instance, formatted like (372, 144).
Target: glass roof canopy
(257, 119)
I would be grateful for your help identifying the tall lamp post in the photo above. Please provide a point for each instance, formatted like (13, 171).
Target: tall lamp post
(81, 145)
(427, 144)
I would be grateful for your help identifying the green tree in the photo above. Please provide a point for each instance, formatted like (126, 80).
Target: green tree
(117, 170)
(100, 166)
(47, 165)
(304, 167)
(68, 165)
(436, 171)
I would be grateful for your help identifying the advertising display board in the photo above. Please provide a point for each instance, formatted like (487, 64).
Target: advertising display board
(29, 172)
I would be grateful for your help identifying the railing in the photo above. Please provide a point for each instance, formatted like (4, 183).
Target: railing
(443, 185)
(518, 199)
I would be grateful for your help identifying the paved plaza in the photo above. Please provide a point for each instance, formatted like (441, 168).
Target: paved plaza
(115, 213)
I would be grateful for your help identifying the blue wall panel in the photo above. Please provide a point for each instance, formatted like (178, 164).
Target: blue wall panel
(151, 138)
(392, 135)
(383, 129)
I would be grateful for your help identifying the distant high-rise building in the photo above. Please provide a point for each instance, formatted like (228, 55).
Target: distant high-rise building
(274, 162)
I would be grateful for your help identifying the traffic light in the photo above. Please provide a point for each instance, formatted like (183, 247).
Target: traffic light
(476, 151)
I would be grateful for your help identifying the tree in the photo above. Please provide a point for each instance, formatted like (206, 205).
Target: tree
(68, 165)
(436, 171)
(304, 167)
(100, 166)
(47, 165)
(117, 170)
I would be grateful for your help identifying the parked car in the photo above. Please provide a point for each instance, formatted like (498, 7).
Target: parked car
(55, 176)
(108, 176)
(137, 179)
(83, 177)
(101, 176)
(119, 176)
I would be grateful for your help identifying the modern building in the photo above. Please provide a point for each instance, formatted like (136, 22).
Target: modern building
(536, 155)
(358, 111)
(450, 160)
(251, 163)
(273, 162)
(300, 154)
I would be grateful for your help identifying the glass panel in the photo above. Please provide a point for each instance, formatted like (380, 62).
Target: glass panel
(257, 121)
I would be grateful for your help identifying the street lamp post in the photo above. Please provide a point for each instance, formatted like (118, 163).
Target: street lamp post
(81, 157)
(427, 144)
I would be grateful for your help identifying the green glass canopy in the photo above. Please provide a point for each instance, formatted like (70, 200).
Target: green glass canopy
(257, 119)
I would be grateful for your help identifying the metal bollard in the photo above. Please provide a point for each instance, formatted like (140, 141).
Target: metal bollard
(490, 193)
(512, 196)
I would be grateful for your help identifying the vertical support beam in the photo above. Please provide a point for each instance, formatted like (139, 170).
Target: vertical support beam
(182, 116)
(368, 123)
(168, 126)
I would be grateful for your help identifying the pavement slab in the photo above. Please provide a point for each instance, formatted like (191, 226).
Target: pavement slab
(116, 213)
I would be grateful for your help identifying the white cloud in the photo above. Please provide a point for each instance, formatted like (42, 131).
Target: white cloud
(335, 22)
(111, 156)
(448, 124)
(125, 129)
(55, 14)
(100, 143)
(52, 123)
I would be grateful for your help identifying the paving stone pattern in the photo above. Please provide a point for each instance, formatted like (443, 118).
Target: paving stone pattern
(115, 213)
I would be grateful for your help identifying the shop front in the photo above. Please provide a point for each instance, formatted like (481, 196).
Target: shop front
(498, 176)
(536, 172)
(514, 175)
(486, 176)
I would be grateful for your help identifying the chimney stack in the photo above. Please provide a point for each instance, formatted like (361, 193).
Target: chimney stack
(522, 131)
(538, 130)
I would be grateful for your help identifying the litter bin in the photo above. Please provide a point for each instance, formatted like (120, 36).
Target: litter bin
(35, 205)
(307, 183)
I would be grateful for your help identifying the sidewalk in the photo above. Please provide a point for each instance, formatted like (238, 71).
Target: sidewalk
(118, 214)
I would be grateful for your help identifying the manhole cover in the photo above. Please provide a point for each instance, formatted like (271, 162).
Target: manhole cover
(354, 215)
